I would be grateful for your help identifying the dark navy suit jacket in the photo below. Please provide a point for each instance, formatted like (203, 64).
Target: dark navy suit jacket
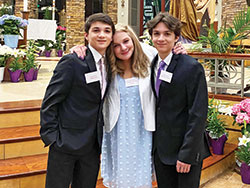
(71, 112)
(181, 112)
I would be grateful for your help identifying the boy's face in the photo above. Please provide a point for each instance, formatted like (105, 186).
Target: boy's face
(163, 39)
(99, 36)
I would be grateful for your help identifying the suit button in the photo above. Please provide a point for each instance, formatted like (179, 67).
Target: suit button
(158, 108)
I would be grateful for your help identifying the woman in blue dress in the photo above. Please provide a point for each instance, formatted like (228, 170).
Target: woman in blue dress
(129, 119)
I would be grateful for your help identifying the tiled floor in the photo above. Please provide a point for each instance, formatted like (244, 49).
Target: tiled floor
(229, 179)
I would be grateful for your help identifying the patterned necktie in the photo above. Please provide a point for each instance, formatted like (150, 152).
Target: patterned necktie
(103, 80)
(158, 81)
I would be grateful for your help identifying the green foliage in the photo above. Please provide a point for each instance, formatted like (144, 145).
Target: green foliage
(47, 14)
(220, 41)
(2, 61)
(31, 52)
(5, 9)
(215, 126)
(243, 153)
(16, 64)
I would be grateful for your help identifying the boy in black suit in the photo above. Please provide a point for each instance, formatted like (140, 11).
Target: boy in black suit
(178, 81)
(71, 118)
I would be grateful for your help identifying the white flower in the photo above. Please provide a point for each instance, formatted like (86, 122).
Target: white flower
(244, 140)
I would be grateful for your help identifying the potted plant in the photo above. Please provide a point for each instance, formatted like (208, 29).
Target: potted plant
(243, 155)
(4, 51)
(30, 67)
(60, 40)
(16, 65)
(216, 129)
(47, 44)
(11, 26)
(220, 42)
(241, 115)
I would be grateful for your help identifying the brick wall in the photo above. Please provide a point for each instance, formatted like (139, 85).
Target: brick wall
(75, 15)
(230, 8)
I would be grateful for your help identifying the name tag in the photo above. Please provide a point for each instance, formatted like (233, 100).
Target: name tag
(166, 76)
(92, 77)
(131, 82)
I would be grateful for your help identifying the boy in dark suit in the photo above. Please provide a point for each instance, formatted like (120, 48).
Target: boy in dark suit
(178, 81)
(71, 118)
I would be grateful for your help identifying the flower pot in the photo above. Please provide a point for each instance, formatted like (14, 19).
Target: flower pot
(1, 73)
(218, 145)
(11, 40)
(28, 76)
(47, 53)
(245, 173)
(59, 53)
(14, 76)
(36, 73)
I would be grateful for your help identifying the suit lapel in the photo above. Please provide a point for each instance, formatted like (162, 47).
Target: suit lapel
(90, 61)
(171, 67)
(154, 62)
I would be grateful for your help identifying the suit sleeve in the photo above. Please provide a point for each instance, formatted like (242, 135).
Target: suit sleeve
(56, 92)
(197, 97)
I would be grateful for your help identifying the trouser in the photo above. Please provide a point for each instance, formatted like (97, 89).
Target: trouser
(79, 171)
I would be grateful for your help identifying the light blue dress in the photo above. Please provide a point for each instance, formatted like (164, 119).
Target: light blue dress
(126, 151)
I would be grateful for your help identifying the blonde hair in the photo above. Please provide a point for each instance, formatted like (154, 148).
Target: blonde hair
(139, 61)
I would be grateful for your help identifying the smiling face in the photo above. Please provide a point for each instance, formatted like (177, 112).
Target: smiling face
(163, 39)
(123, 46)
(99, 36)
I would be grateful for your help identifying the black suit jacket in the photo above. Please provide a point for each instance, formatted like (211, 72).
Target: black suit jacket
(181, 112)
(71, 109)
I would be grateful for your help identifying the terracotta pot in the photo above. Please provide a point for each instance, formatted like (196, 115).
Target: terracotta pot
(218, 145)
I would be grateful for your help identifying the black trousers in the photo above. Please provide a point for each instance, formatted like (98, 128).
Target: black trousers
(79, 171)
(168, 177)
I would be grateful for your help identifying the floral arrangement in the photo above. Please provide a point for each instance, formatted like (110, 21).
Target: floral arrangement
(31, 53)
(5, 51)
(241, 114)
(243, 152)
(215, 125)
(11, 24)
(60, 37)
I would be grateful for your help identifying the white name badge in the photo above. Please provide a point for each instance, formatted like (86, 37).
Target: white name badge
(166, 76)
(92, 77)
(131, 82)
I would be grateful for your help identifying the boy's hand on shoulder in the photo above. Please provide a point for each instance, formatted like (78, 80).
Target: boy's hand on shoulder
(179, 49)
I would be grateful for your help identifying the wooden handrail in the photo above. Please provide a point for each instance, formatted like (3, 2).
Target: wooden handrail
(232, 56)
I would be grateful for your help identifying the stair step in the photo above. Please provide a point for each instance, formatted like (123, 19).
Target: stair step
(34, 166)
(19, 134)
(23, 166)
(20, 141)
(217, 164)
(19, 113)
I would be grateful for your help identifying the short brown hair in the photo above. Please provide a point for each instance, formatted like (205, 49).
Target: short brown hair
(172, 23)
(99, 17)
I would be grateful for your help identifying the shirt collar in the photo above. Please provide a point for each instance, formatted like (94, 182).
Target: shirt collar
(167, 59)
(96, 54)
